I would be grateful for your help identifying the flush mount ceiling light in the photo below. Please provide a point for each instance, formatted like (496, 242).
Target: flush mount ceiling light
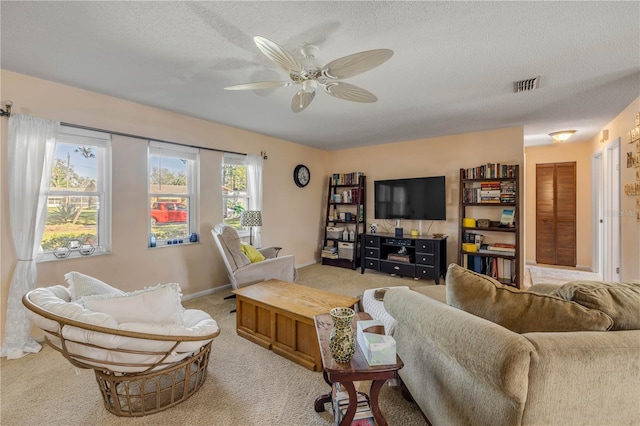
(561, 136)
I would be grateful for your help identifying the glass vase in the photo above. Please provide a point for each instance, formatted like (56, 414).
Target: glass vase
(341, 340)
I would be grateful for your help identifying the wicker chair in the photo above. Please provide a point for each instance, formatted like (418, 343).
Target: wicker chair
(138, 372)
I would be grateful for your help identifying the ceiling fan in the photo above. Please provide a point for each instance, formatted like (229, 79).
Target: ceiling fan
(309, 73)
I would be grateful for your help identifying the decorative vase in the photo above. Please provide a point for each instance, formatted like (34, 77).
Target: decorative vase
(341, 340)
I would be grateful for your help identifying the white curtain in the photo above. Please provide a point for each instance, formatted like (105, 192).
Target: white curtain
(30, 158)
(254, 189)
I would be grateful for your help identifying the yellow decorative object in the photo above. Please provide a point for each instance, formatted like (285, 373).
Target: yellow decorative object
(469, 247)
(252, 253)
(468, 222)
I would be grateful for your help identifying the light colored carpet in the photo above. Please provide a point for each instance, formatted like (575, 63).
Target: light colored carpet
(546, 275)
(246, 384)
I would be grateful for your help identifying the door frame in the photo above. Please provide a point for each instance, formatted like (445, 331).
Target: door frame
(612, 226)
(597, 212)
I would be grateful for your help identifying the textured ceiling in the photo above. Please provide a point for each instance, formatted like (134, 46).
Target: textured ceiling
(452, 71)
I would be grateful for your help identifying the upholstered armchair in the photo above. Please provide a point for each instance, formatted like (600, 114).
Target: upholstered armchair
(241, 271)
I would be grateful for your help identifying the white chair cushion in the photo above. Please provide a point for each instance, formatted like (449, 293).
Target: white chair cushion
(56, 300)
(103, 349)
(153, 305)
(81, 285)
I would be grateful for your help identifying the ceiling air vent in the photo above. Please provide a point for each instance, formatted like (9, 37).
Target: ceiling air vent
(527, 85)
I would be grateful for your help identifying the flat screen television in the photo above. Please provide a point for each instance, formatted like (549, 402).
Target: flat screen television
(415, 198)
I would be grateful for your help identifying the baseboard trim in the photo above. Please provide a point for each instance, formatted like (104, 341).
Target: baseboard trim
(206, 292)
(585, 268)
(313, 262)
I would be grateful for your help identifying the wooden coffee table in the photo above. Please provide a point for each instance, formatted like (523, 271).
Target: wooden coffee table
(356, 370)
(279, 315)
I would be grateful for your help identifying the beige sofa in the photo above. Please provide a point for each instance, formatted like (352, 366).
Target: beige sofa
(465, 370)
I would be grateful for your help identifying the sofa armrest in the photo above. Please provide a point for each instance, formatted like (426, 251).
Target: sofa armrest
(281, 268)
(459, 368)
(589, 375)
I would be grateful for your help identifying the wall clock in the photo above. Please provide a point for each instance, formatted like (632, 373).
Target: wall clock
(301, 175)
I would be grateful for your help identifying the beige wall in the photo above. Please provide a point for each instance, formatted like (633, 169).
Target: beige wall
(432, 157)
(291, 215)
(580, 153)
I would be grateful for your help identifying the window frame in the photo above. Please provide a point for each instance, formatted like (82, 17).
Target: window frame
(237, 160)
(101, 142)
(192, 155)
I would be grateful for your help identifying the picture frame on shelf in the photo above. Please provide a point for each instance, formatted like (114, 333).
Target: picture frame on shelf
(507, 218)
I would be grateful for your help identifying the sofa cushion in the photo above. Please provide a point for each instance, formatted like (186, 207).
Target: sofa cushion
(619, 300)
(83, 285)
(519, 311)
(437, 292)
(544, 288)
(160, 304)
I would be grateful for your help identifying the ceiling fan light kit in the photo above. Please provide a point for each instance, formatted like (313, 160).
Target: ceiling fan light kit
(309, 73)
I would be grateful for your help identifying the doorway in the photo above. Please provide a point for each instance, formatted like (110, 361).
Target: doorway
(556, 214)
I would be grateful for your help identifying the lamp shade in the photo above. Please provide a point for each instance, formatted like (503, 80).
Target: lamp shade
(251, 218)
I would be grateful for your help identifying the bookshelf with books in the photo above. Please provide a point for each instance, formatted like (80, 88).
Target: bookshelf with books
(489, 234)
(345, 220)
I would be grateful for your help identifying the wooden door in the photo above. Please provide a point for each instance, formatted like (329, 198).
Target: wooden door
(556, 214)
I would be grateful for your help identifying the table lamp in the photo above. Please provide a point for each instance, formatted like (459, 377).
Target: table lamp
(251, 218)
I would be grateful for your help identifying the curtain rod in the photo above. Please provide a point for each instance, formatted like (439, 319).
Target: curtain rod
(9, 104)
(129, 135)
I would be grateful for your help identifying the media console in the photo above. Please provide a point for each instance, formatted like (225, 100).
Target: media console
(418, 257)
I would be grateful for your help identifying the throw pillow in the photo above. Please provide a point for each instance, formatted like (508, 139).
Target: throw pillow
(81, 285)
(153, 305)
(252, 253)
(619, 300)
(519, 311)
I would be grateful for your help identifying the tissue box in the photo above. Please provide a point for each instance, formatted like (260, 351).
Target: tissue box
(378, 349)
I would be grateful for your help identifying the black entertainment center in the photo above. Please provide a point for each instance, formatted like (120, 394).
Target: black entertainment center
(408, 256)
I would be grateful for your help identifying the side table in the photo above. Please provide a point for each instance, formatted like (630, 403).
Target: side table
(356, 370)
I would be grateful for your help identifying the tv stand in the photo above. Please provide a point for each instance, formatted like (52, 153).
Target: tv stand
(407, 256)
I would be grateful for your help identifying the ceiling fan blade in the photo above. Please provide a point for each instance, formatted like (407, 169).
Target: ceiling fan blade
(301, 100)
(355, 64)
(278, 54)
(259, 85)
(349, 92)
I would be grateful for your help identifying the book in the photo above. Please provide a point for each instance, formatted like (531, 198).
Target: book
(340, 401)
(508, 215)
(496, 247)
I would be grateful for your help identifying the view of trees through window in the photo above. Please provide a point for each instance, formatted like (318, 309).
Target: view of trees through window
(234, 191)
(74, 202)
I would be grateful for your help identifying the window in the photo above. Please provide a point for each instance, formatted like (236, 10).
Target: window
(235, 198)
(173, 189)
(79, 202)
